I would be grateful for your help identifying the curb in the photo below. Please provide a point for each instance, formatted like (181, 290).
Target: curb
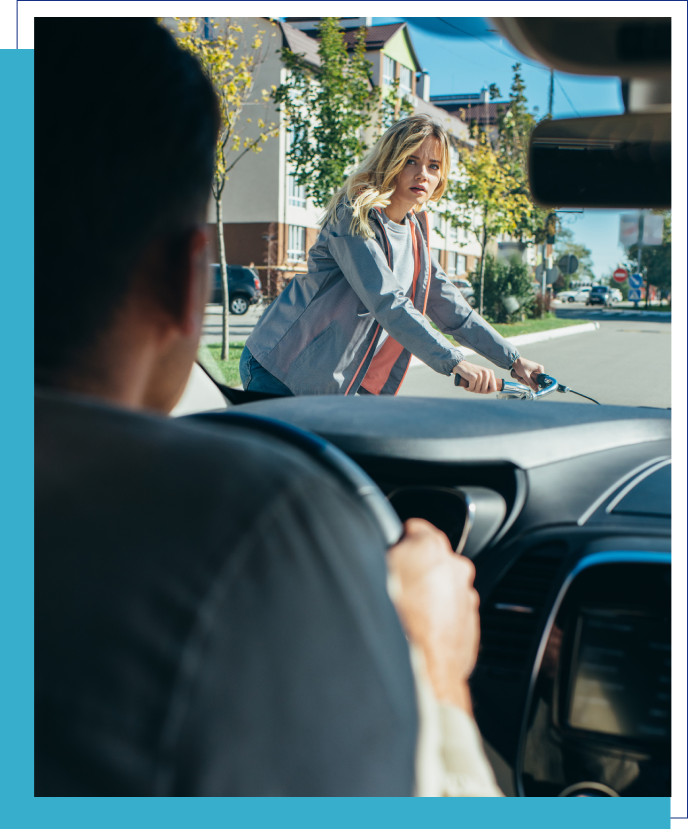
(538, 336)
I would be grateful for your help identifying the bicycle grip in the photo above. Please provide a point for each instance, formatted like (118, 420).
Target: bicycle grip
(461, 381)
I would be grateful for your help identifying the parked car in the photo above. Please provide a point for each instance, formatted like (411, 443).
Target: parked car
(243, 285)
(617, 296)
(600, 295)
(579, 295)
(466, 290)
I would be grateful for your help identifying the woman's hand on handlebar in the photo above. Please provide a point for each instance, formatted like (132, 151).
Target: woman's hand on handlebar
(526, 371)
(480, 380)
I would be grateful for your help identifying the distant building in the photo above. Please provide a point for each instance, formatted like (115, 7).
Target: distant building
(268, 220)
(474, 108)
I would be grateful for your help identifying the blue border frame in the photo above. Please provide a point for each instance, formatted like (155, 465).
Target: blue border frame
(19, 807)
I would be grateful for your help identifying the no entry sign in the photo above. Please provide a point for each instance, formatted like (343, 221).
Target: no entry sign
(620, 275)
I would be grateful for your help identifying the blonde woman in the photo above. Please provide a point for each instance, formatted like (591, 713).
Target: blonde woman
(352, 322)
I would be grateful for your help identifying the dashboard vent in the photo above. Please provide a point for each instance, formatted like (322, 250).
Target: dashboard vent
(512, 615)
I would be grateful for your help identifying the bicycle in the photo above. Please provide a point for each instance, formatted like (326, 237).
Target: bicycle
(517, 391)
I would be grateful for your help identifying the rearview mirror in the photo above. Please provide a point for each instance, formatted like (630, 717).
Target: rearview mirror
(608, 161)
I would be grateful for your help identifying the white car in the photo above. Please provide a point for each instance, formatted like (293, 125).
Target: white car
(617, 296)
(579, 295)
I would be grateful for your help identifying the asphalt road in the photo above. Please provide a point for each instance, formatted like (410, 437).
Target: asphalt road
(626, 363)
(239, 326)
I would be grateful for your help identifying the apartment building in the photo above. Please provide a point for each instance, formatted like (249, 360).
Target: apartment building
(268, 220)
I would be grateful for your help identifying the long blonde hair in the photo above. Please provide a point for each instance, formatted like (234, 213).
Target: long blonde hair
(373, 182)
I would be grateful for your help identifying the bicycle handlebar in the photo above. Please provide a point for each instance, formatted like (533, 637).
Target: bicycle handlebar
(506, 388)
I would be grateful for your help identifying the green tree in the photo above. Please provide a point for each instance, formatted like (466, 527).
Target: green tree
(503, 281)
(484, 199)
(231, 59)
(515, 124)
(328, 109)
(655, 261)
(566, 244)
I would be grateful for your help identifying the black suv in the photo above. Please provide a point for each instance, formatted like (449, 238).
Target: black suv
(600, 295)
(243, 285)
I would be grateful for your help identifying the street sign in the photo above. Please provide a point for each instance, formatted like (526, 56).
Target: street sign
(551, 276)
(628, 229)
(635, 280)
(620, 275)
(653, 226)
(568, 263)
(634, 295)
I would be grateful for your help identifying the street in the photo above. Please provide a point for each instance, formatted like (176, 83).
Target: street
(625, 363)
(239, 326)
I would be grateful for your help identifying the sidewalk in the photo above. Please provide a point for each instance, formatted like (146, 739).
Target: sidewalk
(538, 336)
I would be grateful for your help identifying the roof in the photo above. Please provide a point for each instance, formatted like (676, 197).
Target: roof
(301, 44)
(448, 120)
(305, 42)
(482, 113)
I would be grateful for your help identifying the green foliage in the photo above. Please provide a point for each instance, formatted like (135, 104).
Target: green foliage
(230, 58)
(566, 244)
(502, 280)
(328, 109)
(655, 261)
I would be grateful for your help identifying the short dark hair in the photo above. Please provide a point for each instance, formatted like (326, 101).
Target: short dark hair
(126, 125)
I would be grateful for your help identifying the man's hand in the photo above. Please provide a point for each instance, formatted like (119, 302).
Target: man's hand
(438, 607)
(480, 380)
(526, 372)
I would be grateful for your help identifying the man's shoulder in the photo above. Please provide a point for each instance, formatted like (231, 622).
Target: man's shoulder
(79, 433)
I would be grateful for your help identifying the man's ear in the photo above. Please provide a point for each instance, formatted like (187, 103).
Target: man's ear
(197, 281)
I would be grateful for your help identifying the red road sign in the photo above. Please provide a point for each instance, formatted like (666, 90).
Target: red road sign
(620, 275)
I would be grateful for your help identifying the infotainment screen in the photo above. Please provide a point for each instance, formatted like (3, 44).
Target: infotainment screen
(621, 675)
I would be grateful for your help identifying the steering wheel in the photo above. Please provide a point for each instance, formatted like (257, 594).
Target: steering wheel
(349, 474)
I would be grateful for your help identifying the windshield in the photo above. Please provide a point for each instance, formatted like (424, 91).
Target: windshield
(566, 289)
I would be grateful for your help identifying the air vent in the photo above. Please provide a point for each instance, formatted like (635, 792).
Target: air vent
(512, 615)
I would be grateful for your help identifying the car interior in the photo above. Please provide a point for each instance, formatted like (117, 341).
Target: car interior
(565, 510)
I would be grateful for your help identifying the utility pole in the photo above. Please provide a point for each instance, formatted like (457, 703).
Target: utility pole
(641, 233)
(551, 93)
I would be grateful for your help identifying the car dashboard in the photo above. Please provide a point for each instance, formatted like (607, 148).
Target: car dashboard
(565, 512)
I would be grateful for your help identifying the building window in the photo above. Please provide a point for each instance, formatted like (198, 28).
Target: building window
(451, 263)
(460, 265)
(453, 234)
(435, 253)
(297, 192)
(296, 251)
(389, 70)
(405, 81)
(437, 221)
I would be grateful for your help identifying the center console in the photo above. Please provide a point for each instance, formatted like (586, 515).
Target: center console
(598, 713)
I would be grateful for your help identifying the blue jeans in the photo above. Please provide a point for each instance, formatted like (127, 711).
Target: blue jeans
(256, 378)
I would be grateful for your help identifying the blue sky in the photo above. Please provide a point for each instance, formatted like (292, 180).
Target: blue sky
(462, 54)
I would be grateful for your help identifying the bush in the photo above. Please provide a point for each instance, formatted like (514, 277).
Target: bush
(536, 311)
(504, 280)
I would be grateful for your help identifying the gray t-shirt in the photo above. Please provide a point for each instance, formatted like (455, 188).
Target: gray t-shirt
(212, 617)
(402, 259)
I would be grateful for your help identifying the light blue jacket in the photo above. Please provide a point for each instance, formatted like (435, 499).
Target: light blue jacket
(319, 336)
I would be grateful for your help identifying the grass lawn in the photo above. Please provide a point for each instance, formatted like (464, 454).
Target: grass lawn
(224, 371)
(513, 329)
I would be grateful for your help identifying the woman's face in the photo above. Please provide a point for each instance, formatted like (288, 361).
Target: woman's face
(420, 176)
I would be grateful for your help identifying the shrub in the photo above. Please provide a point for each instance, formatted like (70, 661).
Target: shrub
(536, 311)
(504, 280)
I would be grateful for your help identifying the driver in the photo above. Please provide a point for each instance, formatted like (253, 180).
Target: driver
(212, 610)
(353, 321)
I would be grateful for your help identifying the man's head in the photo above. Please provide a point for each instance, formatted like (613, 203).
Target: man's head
(126, 127)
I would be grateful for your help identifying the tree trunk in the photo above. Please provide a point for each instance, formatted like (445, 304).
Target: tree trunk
(482, 270)
(224, 355)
